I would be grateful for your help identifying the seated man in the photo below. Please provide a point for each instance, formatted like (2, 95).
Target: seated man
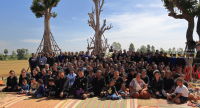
(11, 83)
(168, 82)
(120, 87)
(180, 95)
(62, 85)
(80, 85)
(98, 84)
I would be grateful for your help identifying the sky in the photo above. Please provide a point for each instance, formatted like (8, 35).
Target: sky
(140, 22)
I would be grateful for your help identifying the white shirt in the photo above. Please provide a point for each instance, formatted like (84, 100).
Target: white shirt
(183, 90)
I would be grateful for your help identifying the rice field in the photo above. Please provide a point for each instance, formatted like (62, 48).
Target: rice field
(16, 65)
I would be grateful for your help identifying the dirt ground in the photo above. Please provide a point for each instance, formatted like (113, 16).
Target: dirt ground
(16, 65)
(6, 97)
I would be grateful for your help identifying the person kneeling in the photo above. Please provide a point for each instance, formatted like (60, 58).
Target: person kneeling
(138, 89)
(112, 92)
(180, 95)
(39, 93)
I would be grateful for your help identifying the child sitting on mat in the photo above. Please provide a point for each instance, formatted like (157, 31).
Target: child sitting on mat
(39, 93)
(112, 92)
(180, 95)
(34, 86)
(51, 88)
(24, 87)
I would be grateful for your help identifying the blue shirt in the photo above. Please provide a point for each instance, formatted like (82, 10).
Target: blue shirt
(43, 60)
(61, 58)
(25, 87)
(41, 90)
(72, 78)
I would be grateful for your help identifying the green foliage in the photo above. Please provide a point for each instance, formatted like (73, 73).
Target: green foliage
(1, 57)
(131, 47)
(161, 49)
(153, 49)
(42, 7)
(116, 46)
(22, 54)
(169, 51)
(5, 51)
(143, 49)
(14, 55)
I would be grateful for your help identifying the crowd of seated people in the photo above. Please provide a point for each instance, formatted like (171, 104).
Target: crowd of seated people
(83, 75)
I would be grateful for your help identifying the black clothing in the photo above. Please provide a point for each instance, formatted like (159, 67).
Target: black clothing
(111, 90)
(158, 86)
(111, 75)
(146, 79)
(168, 83)
(132, 58)
(107, 79)
(119, 83)
(11, 83)
(37, 77)
(51, 90)
(33, 62)
(86, 73)
(130, 78)
(21, 79)
(50, 61)
(150, 74)
(62, 84)
(166, 61)
(156, 60)
(98, 85)
(44, 78)
(80, 83)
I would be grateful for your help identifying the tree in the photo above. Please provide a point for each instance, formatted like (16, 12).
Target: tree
(97, 41)
(153, 49)
(184, 9)
(169, 50)
(43, 8)
(116, 46)
(14, 55)
(143, 49)
(148, 47)
(138, 50)
(131, 47)
(180, 50)
(5, 52)
(174, 50)
(161, 49)
(22, 54)
(1, 57)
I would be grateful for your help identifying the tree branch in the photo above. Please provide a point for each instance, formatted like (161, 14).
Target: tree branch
(104, 24)
(54, 4)
(107, 28)
(41, 12)
(101, 6)
(91, 22)
(176, 16)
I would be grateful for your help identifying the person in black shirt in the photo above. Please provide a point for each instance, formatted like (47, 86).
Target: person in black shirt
(112, 92)
(106, 76)
(150, 72)
(44, 77)
(22, 77)
(166, 60)
(111, 73)
(51, 87)
(120, 87)
(62, 85)
(33, 62)
(36, 75)
(157, 86)
(98, 84)
(131, 76)
(168, 82)
(50, 60)
(156, 59)
(178, 72)
(11, 83)
(144, 77)
(80, 85)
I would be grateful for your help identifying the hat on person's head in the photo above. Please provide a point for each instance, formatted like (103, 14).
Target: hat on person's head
(51, 79)
(156, 71)
(61, 70)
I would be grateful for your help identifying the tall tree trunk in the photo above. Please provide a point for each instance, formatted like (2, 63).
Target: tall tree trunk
(97, 33)
(189, 34)
(47, 42)
(198, 32)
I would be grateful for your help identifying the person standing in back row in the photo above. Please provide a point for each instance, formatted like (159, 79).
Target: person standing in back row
(33, 62)
(42, 61)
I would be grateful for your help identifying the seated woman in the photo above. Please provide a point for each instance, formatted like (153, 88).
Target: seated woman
(138, 89)
(35, 75)
(11, 83)
(71, 76)
(180, 95)
(22, 77)
(157, 86)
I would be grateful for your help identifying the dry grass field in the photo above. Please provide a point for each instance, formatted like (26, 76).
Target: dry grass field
(16, 65)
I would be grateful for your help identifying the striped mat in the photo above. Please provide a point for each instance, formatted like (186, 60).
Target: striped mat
(29, 102)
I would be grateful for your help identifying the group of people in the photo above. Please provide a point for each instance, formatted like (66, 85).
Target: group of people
(83, 75)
